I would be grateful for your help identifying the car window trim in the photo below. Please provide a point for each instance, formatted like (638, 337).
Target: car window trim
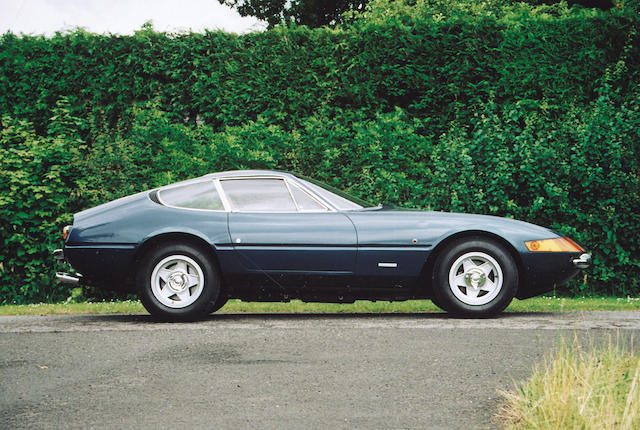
(216, 182)
(293, 199)
(279, 177)
(318, 198)
(178, 185)
(301, 183)
(304, 190)
(223, 196)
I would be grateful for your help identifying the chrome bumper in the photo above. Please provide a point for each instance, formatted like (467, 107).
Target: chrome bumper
(58, 254)
(582, 262)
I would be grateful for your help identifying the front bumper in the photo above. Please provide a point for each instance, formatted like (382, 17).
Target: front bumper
(544, 271)
(63, 277)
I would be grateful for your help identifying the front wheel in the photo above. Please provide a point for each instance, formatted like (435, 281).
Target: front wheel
(178, 282)
(474, 277)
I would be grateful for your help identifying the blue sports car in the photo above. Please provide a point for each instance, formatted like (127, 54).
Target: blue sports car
(187, 248)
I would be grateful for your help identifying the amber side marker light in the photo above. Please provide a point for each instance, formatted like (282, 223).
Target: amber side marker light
(561, 244)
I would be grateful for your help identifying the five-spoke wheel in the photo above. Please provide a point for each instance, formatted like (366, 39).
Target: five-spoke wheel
(178, 282)
(474, 277)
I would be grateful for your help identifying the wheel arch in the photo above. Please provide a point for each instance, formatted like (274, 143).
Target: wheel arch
(175, 237)
(426, 275)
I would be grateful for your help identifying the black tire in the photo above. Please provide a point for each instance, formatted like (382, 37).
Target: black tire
(222, 300)
(438, 303)
(478, 263)
(191, 263)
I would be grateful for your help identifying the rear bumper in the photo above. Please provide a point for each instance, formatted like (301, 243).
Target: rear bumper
(108, 266)
(63, 277)
(58, 254)
(582, 262)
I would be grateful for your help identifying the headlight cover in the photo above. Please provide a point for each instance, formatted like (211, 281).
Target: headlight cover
(561, 244)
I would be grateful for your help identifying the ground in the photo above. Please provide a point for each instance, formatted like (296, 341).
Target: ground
(275, 371)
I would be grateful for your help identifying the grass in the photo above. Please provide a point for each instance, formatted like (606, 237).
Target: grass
(538, 304)
(578, 388)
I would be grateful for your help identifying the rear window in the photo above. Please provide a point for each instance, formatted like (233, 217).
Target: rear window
(201, 195)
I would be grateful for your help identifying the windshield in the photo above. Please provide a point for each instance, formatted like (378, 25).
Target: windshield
(341, 200)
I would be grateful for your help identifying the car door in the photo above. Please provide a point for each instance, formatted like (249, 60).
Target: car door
(277, 234)
(393, 247)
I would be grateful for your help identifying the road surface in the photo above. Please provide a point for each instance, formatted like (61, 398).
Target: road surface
(236, 371)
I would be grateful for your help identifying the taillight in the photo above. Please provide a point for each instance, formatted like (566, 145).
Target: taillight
(65, 232)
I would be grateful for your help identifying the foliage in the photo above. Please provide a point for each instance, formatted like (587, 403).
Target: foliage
(316, 13)
(313, 13)
(520, 111)
(36, 186)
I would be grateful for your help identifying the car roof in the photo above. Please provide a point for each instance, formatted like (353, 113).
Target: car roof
(230, 174)
(245, 173)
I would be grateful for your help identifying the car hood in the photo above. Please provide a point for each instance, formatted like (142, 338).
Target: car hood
(402, 226)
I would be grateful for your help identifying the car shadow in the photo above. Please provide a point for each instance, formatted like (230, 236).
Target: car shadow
(362, 315)
(146, 318)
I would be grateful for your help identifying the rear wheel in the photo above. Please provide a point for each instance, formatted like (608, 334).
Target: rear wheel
(178, 282)
(222, 300)
(474, 277)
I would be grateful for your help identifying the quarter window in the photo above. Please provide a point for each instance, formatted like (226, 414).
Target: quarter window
(201, 195)
(305, 202)
(258, 195)
(338, 201)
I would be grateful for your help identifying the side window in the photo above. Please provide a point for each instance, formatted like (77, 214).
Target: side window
(201, 195)
(305, 202)
(258, 195)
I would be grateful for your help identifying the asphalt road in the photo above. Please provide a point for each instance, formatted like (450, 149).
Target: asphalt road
(275, 371)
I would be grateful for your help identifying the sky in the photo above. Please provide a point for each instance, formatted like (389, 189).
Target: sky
(121, 16)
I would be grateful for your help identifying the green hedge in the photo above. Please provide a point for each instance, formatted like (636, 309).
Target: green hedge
(433, 67)
(514, 111)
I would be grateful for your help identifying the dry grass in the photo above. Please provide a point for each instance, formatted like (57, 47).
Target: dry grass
(594, 387)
